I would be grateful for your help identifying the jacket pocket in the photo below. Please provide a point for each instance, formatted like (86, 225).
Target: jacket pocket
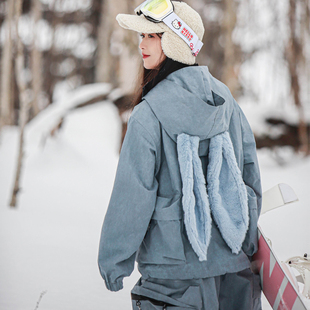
(163, 243)
(250, 243)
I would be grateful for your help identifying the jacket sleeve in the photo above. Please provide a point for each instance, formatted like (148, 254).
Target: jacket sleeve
(252, 180)
(131, 206)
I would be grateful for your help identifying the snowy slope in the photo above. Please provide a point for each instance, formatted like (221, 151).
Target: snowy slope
(49, 243)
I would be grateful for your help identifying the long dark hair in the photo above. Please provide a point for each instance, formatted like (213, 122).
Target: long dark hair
(149, 78)
(145, 76)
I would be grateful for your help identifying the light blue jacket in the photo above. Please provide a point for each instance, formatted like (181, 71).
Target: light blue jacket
(145, 216)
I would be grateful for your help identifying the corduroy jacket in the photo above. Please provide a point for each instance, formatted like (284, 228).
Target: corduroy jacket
(145, 217)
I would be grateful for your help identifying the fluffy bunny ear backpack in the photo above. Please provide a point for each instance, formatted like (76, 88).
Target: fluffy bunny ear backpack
(187, 192)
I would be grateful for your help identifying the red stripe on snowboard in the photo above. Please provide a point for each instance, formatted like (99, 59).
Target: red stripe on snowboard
(272, 283)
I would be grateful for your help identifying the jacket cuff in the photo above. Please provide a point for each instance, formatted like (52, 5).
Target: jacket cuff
(115, 286)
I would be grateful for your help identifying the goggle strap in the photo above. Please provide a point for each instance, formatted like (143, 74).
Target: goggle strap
(178, 26)
(138, 8)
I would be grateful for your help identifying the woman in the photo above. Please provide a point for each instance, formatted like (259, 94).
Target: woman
(187, 192)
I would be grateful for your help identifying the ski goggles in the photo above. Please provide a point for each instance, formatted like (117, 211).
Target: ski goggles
(158, 11)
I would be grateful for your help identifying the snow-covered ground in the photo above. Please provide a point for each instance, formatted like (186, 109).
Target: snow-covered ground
(49, 243)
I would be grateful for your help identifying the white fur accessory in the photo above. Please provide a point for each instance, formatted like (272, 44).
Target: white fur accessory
(173, 46)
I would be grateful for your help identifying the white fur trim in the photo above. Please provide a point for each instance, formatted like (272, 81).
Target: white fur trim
(140, 24)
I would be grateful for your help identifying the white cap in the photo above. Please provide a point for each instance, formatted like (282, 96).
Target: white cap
(173, 46)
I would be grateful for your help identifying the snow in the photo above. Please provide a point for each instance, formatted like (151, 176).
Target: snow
(287, 227)
(49, 243)
(40, 127)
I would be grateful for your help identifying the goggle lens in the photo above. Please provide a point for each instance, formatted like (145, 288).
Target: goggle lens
(156, 9)
(156, 6)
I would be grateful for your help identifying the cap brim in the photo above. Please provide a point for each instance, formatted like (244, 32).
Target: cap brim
(139, 24)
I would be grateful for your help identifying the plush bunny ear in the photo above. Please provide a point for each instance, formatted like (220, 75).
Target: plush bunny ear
(227, 192)
(197, 217)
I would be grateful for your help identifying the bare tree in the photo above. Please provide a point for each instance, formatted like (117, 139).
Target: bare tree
(117, 49)
(220, 53)
(23, 101)
(230, 76)
(102, 73)
(6, 74)
(294, 55)
(36, 59)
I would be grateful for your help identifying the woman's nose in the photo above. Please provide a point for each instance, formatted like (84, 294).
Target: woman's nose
(142, 44)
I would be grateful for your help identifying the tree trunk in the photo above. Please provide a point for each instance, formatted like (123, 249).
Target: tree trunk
(49, 80)
(7, 111)
(294, 55)
(23, 102)
(36, 59)
(230, 77)
(112, 45)
(103, 66)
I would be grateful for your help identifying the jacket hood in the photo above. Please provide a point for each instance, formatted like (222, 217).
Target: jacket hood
(190, 100)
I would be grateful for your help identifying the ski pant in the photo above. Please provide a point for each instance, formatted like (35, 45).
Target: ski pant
(231, 291)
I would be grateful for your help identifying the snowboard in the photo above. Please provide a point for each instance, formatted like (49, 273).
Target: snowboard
(277, 285)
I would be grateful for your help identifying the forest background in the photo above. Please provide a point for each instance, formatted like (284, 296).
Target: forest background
(62, 58)
(259, 49)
